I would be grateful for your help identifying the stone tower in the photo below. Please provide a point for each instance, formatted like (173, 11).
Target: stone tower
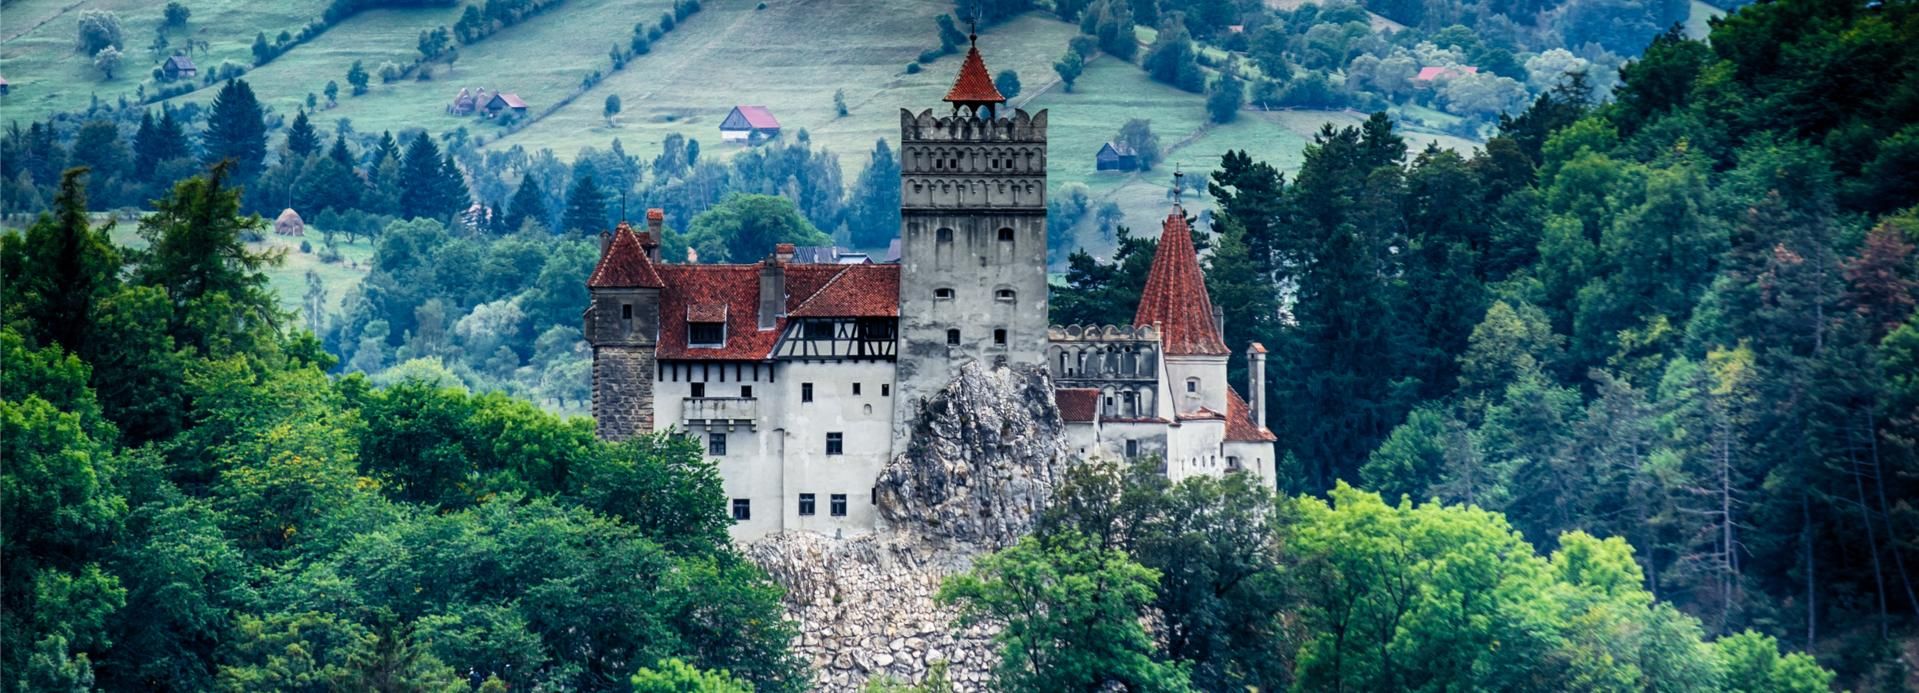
(622, 324)
(972, 238)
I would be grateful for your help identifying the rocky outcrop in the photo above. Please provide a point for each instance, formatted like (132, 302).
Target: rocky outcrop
(985, 456)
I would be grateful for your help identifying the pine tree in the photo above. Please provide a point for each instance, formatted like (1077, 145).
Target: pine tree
(528, 204)
(874, 219)
(338, 152)
(386, 148)
(585, 206)
(236, 129)
(430, 185)
(58, 271)
(301, 138)
(156, 142)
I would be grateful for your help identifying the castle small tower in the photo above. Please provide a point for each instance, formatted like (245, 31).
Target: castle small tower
(972, 238)
(622, 324)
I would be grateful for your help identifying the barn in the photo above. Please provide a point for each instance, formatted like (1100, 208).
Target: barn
(749, 124)
(503, 102)
(1114, 156)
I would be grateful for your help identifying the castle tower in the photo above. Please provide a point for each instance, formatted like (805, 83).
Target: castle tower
(972, 238)
(622, 324)
(1175, 300)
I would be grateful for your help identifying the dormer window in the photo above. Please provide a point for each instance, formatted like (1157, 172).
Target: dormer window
(706, 334)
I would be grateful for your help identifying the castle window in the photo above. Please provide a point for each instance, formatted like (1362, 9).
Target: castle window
(705, 334)
(943, 293)
(1232, 463)
(886, 390)
(1006, 235)
(1132, 449)
(856, 389)
(806, 392)
(999, 337)
(835, 443)
(716, 444)
(944, 235)
(742, 510)
(1192, 384)
(952, 337)
(699, 389)
(1006, 295)
(839, 505)
(626, 311)
(806, 504)
(746, 391)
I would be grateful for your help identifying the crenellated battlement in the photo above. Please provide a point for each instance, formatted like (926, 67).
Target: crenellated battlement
(1102, 333)
(927, 127)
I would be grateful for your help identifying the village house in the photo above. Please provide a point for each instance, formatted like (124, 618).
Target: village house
(1114, 156)
(802, 376)
(749, 124)
(177, 67)
(503, 102)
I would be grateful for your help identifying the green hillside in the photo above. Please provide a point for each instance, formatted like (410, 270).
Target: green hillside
(789, 55)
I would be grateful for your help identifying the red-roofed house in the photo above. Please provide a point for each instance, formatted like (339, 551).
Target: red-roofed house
(749, 124)
(801, 375)
(503, 102)
(1435, 74)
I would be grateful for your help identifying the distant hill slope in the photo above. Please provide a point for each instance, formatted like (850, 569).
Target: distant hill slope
(788, 55)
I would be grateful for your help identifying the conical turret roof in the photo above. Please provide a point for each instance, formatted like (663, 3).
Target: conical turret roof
(974, 86)
(1175, 297)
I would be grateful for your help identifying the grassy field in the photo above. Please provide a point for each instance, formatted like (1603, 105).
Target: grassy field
(47, 75)
(288, 280)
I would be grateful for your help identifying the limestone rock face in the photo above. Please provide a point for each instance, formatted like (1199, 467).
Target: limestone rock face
(986, 453)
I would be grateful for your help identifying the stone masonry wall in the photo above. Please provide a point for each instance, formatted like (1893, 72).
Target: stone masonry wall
(623, 391)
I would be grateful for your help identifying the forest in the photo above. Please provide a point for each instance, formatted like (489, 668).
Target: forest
(1626, 399)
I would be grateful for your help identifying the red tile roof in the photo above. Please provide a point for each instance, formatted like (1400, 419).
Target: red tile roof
(1240, 425)
(625, 264)
(731, 293)
(1175, 294)
(1077, 404)
(511, 100)
(867, 291)
(975, 84)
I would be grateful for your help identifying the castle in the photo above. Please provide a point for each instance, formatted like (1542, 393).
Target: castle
(802, 380)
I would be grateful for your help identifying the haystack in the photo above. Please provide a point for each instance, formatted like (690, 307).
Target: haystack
(289, 224)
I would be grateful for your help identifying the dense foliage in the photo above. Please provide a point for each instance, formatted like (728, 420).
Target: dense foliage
(1251, 591)
(191, 503)
(1682, 317)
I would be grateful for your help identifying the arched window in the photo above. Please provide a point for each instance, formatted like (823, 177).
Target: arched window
(945, 235)
(943, 293)
(1006, 295)
(1006, 235)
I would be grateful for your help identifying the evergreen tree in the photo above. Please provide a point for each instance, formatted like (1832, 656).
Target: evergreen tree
(1227, 96)
(236, 130)
(873, 219)
(585, 206)
(302, 140)
(196, 247)
(339, 153)
(58, 271)
(430, 184)
(156, 142)
(528, 204)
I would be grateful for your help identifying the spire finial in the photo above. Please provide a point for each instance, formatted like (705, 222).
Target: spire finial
(1179, 183)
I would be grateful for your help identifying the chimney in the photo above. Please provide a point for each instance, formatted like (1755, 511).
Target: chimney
(606, 241)
(1219, 321)
(655, 232)
(773, 286)
(1256, 370)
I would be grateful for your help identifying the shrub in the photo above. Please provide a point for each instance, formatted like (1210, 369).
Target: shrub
(666, 21)
(390, 72)
(930, 55)
(912, 68)
(306, 246)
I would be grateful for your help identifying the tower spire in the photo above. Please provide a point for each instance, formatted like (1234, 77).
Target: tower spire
(973, 89)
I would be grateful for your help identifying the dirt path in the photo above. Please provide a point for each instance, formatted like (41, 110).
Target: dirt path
(62, 13)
